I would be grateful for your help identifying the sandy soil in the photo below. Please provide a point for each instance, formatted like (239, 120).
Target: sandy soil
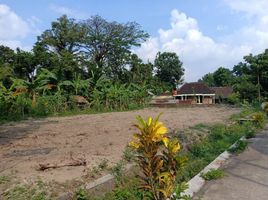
(23, 146)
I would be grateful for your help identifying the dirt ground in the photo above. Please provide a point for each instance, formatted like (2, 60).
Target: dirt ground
(25, 145)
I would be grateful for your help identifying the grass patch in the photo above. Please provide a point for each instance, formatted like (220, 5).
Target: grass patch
(213, 174)
(240, 146)
(24, 192)
(4, 179)
(200, 127)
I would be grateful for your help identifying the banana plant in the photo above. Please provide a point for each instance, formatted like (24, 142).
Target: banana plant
(78, 85)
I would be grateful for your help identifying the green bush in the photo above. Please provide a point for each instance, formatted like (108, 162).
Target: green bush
(51, 104)
(234, 98)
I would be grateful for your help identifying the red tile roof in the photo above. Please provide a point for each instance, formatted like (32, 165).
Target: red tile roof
(195, 88)
(223, 92)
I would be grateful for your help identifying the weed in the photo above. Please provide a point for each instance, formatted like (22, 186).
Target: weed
(117, 170)
(4, 179)
(239, 147)
(81, 194)
(128, 154)
(200, 127)
(213, 174)
(24, 192)
(103, 164)
(94, 172)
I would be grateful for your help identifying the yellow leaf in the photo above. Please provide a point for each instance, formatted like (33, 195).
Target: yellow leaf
(165, 141)
(161, 130)
(149, 121)
(176, 148)
(134, 145)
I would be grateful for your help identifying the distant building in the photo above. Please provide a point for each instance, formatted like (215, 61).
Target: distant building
(222, 93)
(195, 93)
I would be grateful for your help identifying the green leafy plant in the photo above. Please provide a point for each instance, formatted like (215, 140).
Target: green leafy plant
(213, 174)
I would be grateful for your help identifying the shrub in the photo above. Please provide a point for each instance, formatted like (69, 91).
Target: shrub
(258, 118)
(157, 157)
(50, 104)
(234, 98)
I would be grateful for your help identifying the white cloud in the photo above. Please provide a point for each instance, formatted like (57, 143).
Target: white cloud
(255, 34)
(12, 26)
(68, 11)
(14, 29)
(250, 7)
(199, 53)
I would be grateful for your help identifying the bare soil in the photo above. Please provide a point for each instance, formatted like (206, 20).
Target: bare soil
(58, 140)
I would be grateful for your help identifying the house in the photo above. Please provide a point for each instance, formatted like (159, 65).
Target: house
(195, 93)
(222, 93)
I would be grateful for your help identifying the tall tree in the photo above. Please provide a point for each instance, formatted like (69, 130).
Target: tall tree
(258, 64)
(169, 67)
(108, 45)
(62, 42)
(7, 59)
(139, 71)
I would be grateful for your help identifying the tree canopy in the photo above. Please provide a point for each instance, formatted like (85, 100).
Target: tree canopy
(169, 67)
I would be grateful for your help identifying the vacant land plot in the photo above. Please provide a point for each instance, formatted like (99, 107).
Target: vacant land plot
(59, 140)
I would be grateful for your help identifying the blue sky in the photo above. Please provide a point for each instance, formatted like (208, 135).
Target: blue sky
(205, 34)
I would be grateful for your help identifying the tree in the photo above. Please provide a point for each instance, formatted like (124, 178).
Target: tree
(223, 77)
(168, 67)
(139, 71)
(62, 42)
(108, 45)
(24, 65)
(7, 59)
(208, 79)
(258, 64)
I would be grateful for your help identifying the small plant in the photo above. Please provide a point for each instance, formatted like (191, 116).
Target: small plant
(213, 174)
(180, 188)
(117, 170)
(94, 172)
(157, 157)
(128, 154)
(81, 194)
(103, 164)
(4, 179)
(240, 146)
(259, 119)
(250, 132)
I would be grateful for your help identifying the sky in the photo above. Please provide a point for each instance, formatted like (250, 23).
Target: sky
(205, 34)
